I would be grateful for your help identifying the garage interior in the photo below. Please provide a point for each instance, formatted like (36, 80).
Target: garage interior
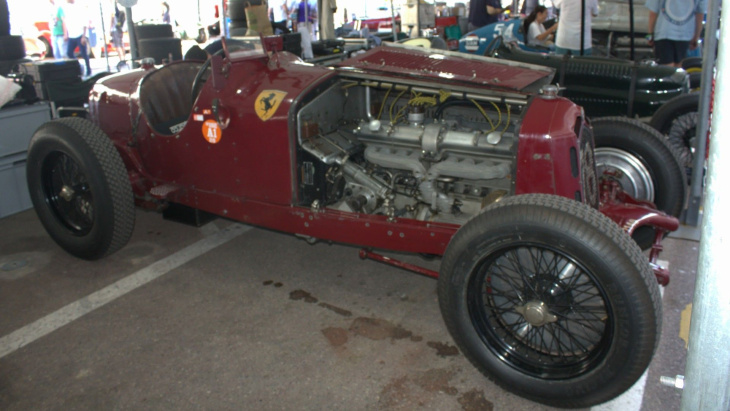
(231, 316)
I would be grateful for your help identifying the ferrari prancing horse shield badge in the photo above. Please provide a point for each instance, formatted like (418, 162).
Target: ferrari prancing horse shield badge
(268, 102)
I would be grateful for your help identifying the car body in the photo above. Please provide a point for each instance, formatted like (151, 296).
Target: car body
(603, 86)
(476, 42)
(461, 159)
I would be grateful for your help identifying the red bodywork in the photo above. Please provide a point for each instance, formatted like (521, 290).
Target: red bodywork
(250, 174)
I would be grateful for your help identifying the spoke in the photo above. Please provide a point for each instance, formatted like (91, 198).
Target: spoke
(572, 337)
(586, 298)
(568, 271)
(507, 278)
(590, 309)
(545, 346)
(522, 331)
(577, 275)
(498, 310)
(66, 170)
(81, 187)
(520, 270)
(585, 322)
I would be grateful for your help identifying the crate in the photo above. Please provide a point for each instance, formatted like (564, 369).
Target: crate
(67, 71)
(18, 125)
(15, 197)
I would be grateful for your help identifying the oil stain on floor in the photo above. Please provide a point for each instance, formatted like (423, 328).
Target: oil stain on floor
(406, 390)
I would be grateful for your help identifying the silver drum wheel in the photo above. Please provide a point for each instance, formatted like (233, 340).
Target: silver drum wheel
(627, 170)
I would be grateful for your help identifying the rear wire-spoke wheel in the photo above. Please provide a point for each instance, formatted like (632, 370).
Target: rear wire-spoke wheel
(80, 188)
(551, 300)
(677, 119)
(66, 191)
(682, 136)
(632, 175)
(644, 165)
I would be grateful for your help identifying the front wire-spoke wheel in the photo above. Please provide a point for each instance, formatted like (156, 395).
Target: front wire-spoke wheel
(551, 300)
(541, 311)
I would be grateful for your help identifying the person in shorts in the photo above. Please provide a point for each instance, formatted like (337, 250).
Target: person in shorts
(117, 33)
(674, 28)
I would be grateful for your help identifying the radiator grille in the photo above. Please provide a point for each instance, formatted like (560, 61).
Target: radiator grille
(589, 180)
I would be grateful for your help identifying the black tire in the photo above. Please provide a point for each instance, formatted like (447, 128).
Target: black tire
(237, 8)
(438, 43)
(649, 168)
(592, 301)
(677, 119)
(682, 104)
(11, 48)
(80, 188)
(692, 63)
(169, 49)
(695, 80)
(153, 31)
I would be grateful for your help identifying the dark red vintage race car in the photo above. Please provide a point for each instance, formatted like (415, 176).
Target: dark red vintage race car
(408, 149)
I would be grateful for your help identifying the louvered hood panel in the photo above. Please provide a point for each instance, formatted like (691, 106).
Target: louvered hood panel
(449, 68)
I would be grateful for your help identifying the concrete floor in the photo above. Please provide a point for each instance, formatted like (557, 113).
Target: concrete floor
(262, 320)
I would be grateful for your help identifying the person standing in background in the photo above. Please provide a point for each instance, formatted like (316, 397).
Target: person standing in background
(306, 15)
(528, 6)
(74, 31)
(483, 12)
(280, 14)
(568, 40)
(327, 9)
(58, 43)
(165, 13)
(674, 27)
(117, 33)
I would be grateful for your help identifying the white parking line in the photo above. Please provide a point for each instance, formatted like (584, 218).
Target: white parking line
(31, 332)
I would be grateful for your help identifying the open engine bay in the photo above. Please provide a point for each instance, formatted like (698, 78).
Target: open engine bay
(404, 151)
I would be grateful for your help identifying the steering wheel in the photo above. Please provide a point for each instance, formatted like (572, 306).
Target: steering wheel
(200, 78)
(493, 46)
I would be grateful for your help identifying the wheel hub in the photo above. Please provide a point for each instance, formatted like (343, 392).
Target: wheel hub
(537, 313)
(630, 173)
(67, 193)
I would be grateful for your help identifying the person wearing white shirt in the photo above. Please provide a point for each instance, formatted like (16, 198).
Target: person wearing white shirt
(536, 34)
(568, 40)
(279, 11)
(74, 30)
